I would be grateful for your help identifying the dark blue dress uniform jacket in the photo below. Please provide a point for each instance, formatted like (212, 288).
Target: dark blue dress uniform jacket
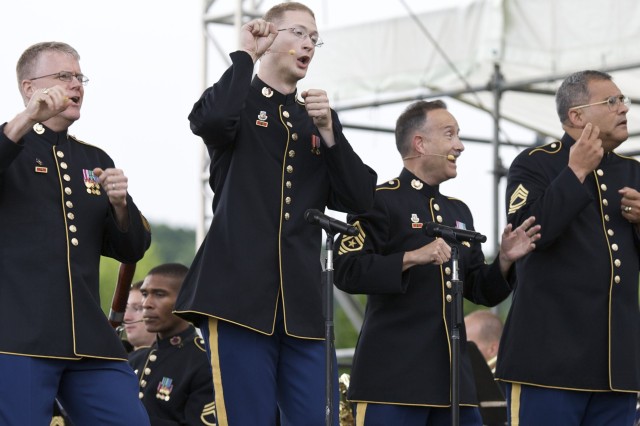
(268, 166)
(574, 322)
(55, 222)
(175, 380)
(403, 355)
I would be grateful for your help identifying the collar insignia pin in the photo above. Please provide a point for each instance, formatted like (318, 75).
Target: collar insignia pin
(415, 221)
(262, 117)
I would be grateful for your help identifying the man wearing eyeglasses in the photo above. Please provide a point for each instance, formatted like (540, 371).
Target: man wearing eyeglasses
(570, 350)
(135, 333)
(63, 204)
(254, 287)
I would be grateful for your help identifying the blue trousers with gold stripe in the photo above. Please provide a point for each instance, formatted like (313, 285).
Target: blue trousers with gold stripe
(92, 391)
(254, 375)
(368, 414)
(535, 405)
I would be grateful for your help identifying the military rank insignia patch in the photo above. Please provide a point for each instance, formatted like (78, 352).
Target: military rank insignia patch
(355, 243)
(208, 415)
(91, 181)
(518, 199)
(57, 421)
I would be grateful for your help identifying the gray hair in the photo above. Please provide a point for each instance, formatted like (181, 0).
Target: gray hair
(413, 118)
(574, 91)
(29, 58)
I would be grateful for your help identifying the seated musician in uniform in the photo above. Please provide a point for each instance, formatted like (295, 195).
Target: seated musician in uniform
(176, 386)
(484, 329)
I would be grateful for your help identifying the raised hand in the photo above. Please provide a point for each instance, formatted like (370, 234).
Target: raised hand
(256, 37)
(517, 243)
(317, 104)
(586, 153)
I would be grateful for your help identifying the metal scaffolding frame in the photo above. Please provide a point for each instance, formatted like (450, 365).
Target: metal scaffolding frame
(249, 9)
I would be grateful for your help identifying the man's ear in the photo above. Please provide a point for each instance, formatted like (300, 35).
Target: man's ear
(417, 143)
(27, 89)
(576, 118)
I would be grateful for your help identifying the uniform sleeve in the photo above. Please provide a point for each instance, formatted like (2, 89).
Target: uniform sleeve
(215, 117)
(353, 183)
(127, 246)
(359, 266)
(555, 199)
(482, 284)
(8, 152)
(485, 285)
(199, 407)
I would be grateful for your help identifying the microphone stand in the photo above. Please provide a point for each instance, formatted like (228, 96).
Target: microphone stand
(328, 328)
(453, 236)
(330, 226)
(456, 321)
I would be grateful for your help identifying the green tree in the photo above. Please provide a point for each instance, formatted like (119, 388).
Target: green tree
(174, 244)
(167, 245)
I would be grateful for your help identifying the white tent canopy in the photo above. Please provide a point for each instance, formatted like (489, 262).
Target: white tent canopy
(459, 50)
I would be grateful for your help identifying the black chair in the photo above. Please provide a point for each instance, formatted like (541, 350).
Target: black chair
(493, 405)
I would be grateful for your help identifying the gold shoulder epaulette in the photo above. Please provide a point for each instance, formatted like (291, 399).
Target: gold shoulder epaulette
(79, 141)
(551, 148)
(145, 223)
(391, 184)
(199, 341)
(624, 156)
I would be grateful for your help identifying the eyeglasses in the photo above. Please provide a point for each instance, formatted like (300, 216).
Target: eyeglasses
(613, 102)
(301, 34)
(66, 76)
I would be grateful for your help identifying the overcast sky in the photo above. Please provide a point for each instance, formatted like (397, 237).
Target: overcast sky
(144, 59)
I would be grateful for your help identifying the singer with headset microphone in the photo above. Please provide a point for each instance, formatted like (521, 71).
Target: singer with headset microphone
(136, 335)
(401, 366)
(254, 287)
